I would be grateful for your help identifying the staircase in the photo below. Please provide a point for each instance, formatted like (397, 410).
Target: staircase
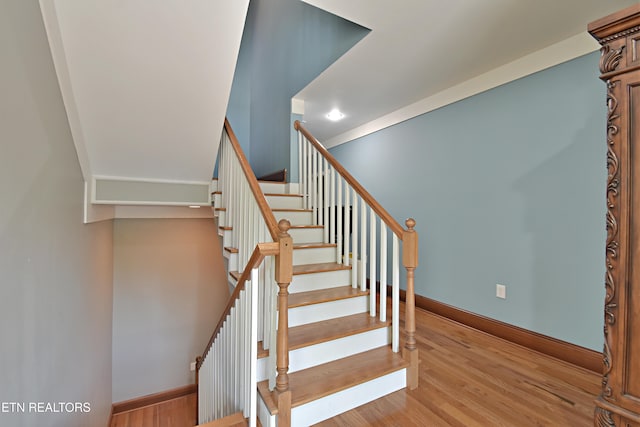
(331, 349)
(339, 356)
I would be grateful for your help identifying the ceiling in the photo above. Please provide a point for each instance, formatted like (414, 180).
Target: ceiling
(145, 83)
(419, 49)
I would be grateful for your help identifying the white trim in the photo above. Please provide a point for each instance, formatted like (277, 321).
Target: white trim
(297, 106)
(566, 50)
(54, 35)
(122, 212)
(103, 178)
(147, 203)
(153, 180)
(94, 213)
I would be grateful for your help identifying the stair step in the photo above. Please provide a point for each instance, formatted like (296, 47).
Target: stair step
(314, 252)
(301, 299)
(233, 420)
(325, 341)
(274, 187)
(311, 277)
(323, 304)
(295, 216)
(314, 383)
(319, 268)
(284, 201)
(306, 233)
(327, 330)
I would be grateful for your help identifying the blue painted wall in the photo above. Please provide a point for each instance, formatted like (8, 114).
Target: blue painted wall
(286, 44)
(508, 187)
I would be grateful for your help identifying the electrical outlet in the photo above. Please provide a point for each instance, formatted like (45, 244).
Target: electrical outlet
(501, 291)
(192, 366)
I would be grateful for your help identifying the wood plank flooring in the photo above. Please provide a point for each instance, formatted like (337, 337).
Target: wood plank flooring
(467, 378)
(179, 412)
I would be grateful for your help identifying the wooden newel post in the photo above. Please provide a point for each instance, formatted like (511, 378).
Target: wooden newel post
(284, 275)
(410, 262)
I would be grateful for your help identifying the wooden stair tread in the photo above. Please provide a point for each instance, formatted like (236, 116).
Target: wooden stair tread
(231, 250)
(227, 228)
(319, 268)
(261, 350)
(291, 210)
(235, 274)
(300, 299)
(314, 245)
(327, 330)
(319, 381)
(283, 194)
(233, 420)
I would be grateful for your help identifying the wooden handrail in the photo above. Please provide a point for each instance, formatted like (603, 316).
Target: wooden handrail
(368, 198)
(262, 250)
(268, 216)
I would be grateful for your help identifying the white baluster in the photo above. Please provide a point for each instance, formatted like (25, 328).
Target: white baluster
(339, 223)
(354, 242)
(300, 167)
(309, 177)
(363, 246)
(347, 225)
(314, 184)
(320, 189)
(372, 263)
(274, 321)
(326, 222)
(395, 296)
(253, 399)
(383, 271)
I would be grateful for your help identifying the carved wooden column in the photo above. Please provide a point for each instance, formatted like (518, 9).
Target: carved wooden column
(284, 274)
(619, 401)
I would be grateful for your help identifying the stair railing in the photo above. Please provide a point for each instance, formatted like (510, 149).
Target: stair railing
(353, 220)
(227, 370)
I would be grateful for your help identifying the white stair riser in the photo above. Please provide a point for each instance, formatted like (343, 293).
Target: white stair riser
(306, 357)
(284, 202)
(217, 200)
(329, 351)
(295, 217)
(314, 255)
(214, 185)
(222, 215)
(315, 281)
(226, 235)
(265, 417)
(273, 187)
(232, 260)
(327, 310)
(345, 400)
(306, 235)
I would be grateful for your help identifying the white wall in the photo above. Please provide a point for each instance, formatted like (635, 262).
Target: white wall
(55, 272)
(169, 292)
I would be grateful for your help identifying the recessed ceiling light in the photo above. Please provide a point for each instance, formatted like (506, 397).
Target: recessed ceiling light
(335, 115)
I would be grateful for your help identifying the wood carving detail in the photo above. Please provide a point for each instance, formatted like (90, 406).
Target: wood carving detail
(612, 244)
(610, 59)
(603, 418)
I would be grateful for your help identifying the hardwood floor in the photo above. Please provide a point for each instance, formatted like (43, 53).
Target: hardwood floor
(179, 412)
(467, 378)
